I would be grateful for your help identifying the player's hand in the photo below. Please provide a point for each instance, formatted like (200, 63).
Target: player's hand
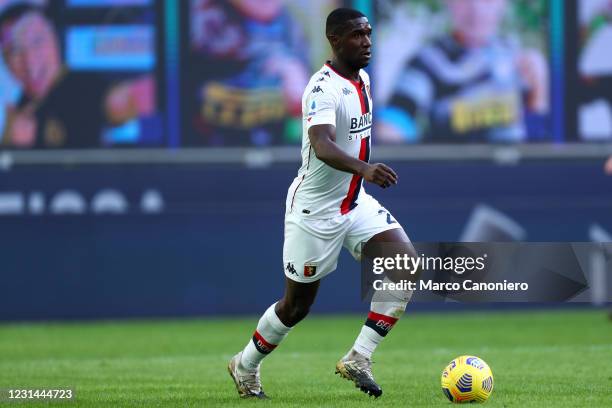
(381, 174)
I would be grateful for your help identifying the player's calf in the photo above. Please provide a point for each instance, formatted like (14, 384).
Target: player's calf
(291, 313)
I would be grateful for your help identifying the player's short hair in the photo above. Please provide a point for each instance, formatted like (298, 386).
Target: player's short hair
(339, 17)
(13, 13)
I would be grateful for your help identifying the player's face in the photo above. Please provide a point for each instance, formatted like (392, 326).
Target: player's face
(354, 45)
(32, 53)
(477, 21)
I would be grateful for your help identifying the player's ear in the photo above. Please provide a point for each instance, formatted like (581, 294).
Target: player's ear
(333, 40)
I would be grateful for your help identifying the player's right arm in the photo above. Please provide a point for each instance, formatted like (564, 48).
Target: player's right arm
(323, 141)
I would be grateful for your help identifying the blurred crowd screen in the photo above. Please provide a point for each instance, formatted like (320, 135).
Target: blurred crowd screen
(79, 74)
(594, 70)
(462, 71)
(248, 63)
(95, 74)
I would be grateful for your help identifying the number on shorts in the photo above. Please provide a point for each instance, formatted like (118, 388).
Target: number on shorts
(390, 220)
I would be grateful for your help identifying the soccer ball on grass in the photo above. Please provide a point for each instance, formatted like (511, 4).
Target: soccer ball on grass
(467, 379)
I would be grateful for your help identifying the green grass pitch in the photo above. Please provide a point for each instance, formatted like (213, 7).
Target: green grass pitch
(539, 359)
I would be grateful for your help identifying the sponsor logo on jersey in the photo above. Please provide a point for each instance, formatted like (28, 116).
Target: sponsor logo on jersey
(310, 270)
(316, 89)
(364, 122)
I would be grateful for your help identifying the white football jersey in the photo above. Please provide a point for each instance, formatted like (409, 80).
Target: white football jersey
(319, 190)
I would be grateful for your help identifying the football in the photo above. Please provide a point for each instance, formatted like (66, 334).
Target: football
(467, 379)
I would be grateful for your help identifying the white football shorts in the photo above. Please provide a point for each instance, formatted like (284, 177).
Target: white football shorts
(312, 246)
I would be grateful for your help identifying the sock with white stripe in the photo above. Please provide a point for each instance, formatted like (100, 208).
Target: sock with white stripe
(269, 333)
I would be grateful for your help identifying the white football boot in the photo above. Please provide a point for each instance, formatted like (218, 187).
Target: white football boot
(247, 382)
(358, 369)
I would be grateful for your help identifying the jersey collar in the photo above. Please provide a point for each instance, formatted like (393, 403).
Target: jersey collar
(355, 83)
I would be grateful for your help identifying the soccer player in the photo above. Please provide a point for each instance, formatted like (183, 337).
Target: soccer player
(326, 208)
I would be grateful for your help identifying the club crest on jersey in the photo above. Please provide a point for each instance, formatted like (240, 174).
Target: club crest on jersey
(310, 270)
